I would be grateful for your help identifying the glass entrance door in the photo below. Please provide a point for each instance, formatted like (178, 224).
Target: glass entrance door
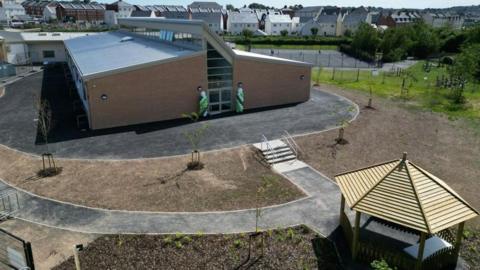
(220, 100)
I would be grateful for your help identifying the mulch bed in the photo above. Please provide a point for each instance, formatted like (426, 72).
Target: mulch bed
(292, 248)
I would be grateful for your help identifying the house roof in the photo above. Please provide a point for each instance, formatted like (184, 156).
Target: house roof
(117, 51)
(242, 17)
(279, 18)
(199, 4)
(401, 192)
(324, 18)
(141, 13)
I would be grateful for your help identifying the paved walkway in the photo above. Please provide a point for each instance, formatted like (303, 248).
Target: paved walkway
(17, 119)
(319, 211)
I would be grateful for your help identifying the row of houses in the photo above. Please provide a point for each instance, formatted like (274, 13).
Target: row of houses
(319, 20)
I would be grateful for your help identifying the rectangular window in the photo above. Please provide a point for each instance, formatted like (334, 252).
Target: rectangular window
(48, 54)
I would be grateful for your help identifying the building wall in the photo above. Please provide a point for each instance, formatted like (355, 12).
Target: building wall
(149, 94)
(36, 52)
(274, 29)
(269, 84)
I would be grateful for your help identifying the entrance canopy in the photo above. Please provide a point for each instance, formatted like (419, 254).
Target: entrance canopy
(402, 192)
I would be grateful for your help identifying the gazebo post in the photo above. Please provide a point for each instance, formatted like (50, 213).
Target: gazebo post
(421, 248)
(356, 233)
(458, 241)
(342, 208)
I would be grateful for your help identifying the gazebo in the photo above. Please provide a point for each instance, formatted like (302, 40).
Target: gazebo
(402, 193)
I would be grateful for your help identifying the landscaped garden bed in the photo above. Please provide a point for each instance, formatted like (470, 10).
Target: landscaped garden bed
(229, 181)
(292, 248)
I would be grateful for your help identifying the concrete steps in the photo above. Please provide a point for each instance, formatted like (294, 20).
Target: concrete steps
(276, 151)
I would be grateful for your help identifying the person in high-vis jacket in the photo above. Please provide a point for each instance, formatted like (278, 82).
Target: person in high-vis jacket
(240, 99)
(203, 102)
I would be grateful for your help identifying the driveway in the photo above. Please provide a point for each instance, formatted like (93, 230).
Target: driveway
(18, 123)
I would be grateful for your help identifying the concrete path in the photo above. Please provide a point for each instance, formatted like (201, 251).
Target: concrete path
(318, 210)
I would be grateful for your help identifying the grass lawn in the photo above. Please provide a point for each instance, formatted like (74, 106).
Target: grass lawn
(229, 181)
(290, 47)
(421, 88)
(293, 248)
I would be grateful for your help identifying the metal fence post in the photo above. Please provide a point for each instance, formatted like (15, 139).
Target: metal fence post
(29, 255)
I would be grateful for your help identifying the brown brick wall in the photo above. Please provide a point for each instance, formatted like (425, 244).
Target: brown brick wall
(270, 84)
(150, 94)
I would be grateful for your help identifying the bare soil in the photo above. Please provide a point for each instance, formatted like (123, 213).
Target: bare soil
(450, 149)
(294, 248)
(50, 246)
(229, 181)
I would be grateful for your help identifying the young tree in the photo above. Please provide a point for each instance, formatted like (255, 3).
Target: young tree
(284, 33)
(314, 31)
(194, 137)
(247, 35)
(44, 126)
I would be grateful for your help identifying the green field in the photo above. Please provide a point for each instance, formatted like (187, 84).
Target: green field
(291, 47)
(420, 86)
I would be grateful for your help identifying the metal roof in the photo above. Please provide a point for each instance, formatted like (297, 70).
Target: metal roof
(107, 52)
(401, 192)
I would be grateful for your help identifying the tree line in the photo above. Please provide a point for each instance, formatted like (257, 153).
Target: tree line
(421, 41)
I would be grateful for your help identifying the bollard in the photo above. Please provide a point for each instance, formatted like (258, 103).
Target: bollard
(76, 249)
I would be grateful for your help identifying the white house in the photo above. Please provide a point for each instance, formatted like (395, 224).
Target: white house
(213, 17)
(117, 10)
(238, 21)
(10, 9)
(275, 24)
(49, 13)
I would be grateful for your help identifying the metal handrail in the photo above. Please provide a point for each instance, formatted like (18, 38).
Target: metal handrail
(269, 147)
(290, 145)
(293, 144)
(7, 207)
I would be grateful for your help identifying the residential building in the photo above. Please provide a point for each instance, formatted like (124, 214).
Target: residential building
(36, 8)
(50, 12)
(403, 18)
(165, 67)
(213, 17)
(237, 21)
(440, 19)
(116, 10)
(275, 24)
(262, 16)
(352, 20)
(9, 10)
(307, 14)
(170, 12)
(22, 48)
(206, 5)
(142, 13)
(79, 12)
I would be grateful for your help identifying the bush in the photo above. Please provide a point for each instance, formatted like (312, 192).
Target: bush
(349, 50)
(381, 265)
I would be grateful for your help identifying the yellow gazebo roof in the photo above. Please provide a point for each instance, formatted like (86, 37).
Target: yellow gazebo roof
(401, 192)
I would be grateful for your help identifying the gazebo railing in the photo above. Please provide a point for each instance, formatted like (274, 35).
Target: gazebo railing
(440, 259)
(368, 252)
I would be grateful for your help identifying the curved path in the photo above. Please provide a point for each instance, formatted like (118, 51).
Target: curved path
(17, 120)
(319, 211)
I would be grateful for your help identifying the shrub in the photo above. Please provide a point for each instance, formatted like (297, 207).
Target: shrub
(381, 265)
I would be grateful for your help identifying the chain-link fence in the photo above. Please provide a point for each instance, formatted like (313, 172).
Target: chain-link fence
(322, 58)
